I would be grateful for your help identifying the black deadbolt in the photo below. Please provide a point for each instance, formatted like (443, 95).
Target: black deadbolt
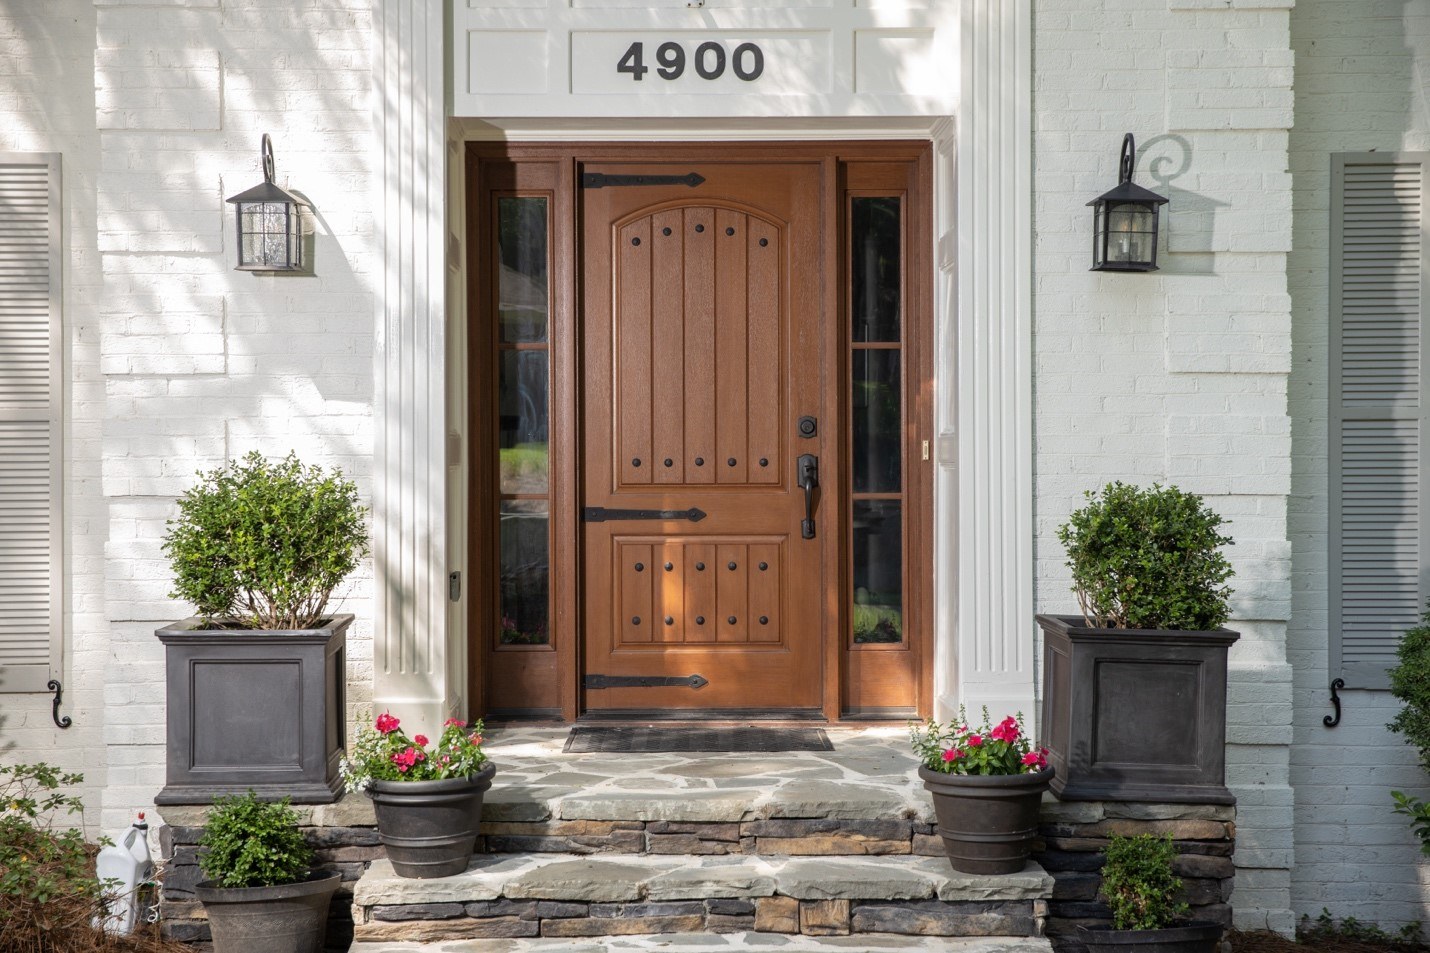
(808, 426)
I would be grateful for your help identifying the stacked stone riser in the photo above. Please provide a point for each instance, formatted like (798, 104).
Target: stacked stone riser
(779, 915)
(784, 837)
(1075, 834)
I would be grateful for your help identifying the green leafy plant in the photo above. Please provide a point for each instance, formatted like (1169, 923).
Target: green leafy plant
(265, 543)
(1419, 813)
(958, 748)
(1148, 559)
(383, 752)
(1410, 682)
(1326, 930)
(252, 843)
(1138, 883)
(46, 871)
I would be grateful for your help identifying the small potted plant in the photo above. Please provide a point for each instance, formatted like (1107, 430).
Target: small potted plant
(1134, 688)
(261, 893)
(428, 800)
(256, 678)
(987, 783)
(1145, 898)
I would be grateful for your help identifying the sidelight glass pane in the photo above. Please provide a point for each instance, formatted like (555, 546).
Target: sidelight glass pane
(878, 571)
(874, 269)
(522, 426)
(525, 573)
(875, 409)
(522, 286)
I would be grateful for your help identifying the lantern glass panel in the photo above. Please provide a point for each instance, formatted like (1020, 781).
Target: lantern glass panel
(1131, 233)
(269, 236)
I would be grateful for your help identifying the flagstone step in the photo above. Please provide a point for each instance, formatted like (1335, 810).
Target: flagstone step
(723, 943)
(553, 895)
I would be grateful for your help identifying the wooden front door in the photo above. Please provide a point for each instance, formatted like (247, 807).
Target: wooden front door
(702, 349)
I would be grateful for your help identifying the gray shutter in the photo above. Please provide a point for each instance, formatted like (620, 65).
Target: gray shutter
(31, 448)
(1377, 415)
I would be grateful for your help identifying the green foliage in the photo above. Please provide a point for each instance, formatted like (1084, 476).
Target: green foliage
(250, 843)
(1138, 883)
(1410, 682)
(265, 543)
(987, 749)
(383, 752)
(45, 871)
(1419, 813)
(1326, 930)
(1148, 559)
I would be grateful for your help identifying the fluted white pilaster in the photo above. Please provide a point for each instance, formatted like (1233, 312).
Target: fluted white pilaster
(411, 674)
(993, 663)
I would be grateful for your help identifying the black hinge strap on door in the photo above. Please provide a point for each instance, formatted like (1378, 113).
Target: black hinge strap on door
(600, 180)
(599, 514)
(645, 681)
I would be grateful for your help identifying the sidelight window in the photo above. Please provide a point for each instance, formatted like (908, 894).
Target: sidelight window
(876, 411)
(523, 313)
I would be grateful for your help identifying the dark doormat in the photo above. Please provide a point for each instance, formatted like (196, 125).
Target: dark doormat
(589, 739)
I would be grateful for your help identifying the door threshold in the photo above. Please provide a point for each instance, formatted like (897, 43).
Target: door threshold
(704, 716)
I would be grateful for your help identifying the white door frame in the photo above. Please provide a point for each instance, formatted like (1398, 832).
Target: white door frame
(983, 386)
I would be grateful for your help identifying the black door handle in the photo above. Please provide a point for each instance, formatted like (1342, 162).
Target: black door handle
(808, 470)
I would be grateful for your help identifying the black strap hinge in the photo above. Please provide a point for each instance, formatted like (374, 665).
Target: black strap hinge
(645, 681)
(599, 514)
(601, 180)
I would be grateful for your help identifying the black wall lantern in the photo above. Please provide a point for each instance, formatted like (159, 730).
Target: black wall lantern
(1124, 221)
(270, 223)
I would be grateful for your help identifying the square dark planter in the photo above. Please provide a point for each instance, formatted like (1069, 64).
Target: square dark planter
(1135, 714)
(254, 709)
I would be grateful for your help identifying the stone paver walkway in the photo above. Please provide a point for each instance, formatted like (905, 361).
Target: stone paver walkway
(870, 774)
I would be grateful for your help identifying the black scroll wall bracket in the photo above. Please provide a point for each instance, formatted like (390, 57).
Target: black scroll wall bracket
(60, 721)
(1330, 721)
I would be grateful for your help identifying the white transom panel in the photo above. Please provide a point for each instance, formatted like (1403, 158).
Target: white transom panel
(609, 58)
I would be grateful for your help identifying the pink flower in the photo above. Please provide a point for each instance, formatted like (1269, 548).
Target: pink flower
(421, 740)
(1031, 757)
(402, 769)
(406, 759)
(386, 723)
(1007, 730)
(1037, 760)
(446, 759)
(454, 721)
(953, 754)
(475, 738)
(975, 741)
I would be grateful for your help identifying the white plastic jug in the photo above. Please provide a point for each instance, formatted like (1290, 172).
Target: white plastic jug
(127, 863)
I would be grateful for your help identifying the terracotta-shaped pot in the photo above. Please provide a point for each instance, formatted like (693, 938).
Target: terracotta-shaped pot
(430, 827)
(288, 918)
(987, 823)
(1192, 936)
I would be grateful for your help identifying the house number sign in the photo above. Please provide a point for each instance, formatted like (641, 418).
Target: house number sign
(709, 61)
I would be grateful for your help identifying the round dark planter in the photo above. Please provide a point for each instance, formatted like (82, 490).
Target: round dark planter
(987, 822)
(289, 918)
(430, 827)
(1191, 936)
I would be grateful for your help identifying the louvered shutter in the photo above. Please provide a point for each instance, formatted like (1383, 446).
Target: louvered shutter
(31, 449)
(1377, 420)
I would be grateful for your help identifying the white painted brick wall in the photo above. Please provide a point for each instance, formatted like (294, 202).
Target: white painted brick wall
(1179, 376)
(47, 105)
(1360, 72)
(177, 360)
(202, 362)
